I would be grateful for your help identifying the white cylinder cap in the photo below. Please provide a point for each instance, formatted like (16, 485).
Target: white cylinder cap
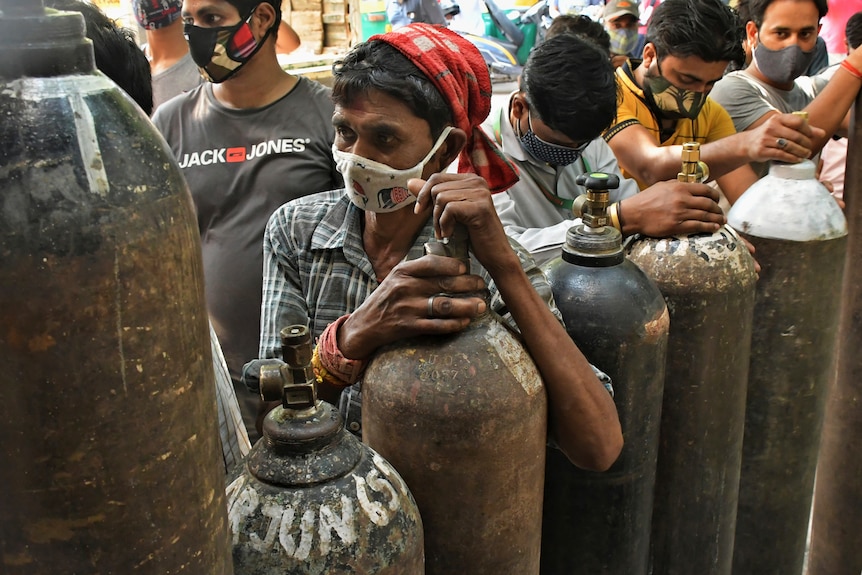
(788, 204)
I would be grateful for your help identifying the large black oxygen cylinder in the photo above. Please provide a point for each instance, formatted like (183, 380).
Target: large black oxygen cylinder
(599, 523)
(800, 234)
(463, 418)
(835, 548)
(708, 283)
(311, 499)
(108, 420)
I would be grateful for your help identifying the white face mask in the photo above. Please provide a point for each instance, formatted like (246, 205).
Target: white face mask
(376, 187)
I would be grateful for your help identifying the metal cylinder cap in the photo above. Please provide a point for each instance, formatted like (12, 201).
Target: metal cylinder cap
(593, 248)
(39, 43)
(303, 447)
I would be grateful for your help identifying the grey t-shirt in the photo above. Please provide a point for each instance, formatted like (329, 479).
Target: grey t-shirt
(181, 77)
(240, 166)
(746, 99)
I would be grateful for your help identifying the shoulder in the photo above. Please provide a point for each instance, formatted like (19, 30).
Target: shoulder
(718, 121)
(713, 111)
(598, 149)
(298, 219)
(625, 81)
(735, 88)
(179, 106)
(313, 88)
(312, 207)
(310, 95)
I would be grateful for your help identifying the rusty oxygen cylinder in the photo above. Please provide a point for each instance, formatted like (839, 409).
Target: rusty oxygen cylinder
(311, 499)
(835, 524)
(108, 419)
(801, 237)
(599, 523)
(463, 418)
(708, 282)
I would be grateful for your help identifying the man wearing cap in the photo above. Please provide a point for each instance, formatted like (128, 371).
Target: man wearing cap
(172, 67)
(248, 140)
(620, 18)
(349, 263)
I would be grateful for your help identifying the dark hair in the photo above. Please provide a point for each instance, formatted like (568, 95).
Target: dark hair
(708, 29)
(853, 30)
(758, 9)
(743, 11)
(246, 6)
(117, 53)
(582, 26)
(569, 84)
(377, 65)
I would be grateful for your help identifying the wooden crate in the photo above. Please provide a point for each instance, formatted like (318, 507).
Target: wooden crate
(334, 7)
(334, 19)
(306, 21)
(336, 36)
(306, 5)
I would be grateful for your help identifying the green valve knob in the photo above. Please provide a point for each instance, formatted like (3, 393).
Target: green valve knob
(598, 181)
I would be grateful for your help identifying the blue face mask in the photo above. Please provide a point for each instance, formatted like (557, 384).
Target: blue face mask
(543, 151)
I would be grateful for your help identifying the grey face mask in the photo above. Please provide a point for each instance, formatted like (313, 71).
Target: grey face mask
(784, 65)
(623, 40)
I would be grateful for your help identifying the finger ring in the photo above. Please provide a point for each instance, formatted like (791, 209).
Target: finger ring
(781, 142)
(431, 307)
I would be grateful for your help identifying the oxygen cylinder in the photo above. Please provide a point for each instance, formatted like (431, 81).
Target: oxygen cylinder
(311, 499)
(835, 526)
(708, 283)
(599, 523)
(108, 420)
(463, 418)
(801, 237)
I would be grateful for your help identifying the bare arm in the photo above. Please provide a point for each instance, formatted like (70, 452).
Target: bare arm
(830, 110)
(638, 153)
(582, 414)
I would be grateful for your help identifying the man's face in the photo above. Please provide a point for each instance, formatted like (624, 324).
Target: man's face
(525, 120)
(380, 127)
(786, 22)
(624, 22)
(210, 13)
(686, 73)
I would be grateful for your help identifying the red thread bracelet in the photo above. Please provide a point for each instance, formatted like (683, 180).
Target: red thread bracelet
(851, 68)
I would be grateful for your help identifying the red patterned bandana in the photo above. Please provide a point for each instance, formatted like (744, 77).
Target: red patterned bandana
(458, 71)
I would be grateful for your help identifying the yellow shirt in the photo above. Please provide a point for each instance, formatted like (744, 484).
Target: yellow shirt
(713, 122)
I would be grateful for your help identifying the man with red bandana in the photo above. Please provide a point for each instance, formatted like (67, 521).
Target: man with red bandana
(352, 267)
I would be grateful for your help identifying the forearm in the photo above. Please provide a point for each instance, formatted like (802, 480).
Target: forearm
(582, 414)
(657, 165)
(829, 109)
(726, 154)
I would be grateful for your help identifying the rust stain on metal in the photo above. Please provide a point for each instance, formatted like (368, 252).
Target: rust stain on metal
(658, 327)
(41, 342)
(51, 529)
